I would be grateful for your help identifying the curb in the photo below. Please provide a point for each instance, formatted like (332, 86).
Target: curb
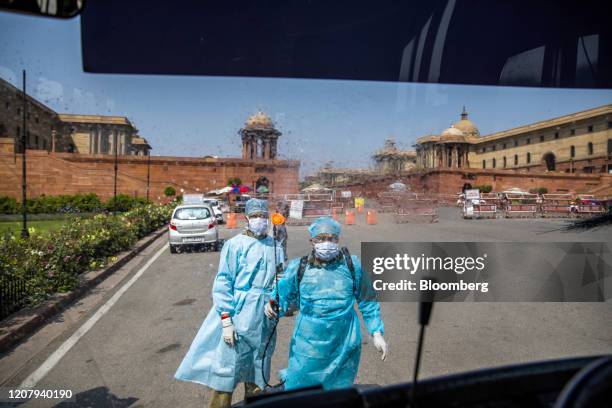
(22, 324)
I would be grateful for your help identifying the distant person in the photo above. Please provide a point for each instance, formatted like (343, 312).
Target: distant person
(326, 345)
(281, 230)
(227, 349)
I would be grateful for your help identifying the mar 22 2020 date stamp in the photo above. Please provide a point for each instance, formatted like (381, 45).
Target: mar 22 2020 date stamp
(8, 394)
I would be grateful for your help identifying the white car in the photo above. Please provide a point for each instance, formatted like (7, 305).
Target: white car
(193, 224)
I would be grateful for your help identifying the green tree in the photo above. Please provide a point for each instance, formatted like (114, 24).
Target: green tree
(169, 191)
(234, 181)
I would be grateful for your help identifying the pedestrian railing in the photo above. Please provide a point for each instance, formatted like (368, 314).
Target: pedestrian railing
(13, 294)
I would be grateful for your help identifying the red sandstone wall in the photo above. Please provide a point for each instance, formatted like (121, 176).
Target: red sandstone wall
(451, 182)
(65, 173)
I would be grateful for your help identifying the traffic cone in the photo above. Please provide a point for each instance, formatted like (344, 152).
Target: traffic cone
(371, 217)
(349, 217)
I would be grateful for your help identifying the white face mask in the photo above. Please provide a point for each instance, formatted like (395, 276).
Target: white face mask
(326, 250)
(258, 226)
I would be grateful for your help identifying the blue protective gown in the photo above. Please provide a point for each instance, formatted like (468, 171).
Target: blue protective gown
(242, 287)
(326, 343)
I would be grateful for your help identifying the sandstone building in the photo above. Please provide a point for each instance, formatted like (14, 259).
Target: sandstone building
(392, 160)
(70, 133)
(576, 143)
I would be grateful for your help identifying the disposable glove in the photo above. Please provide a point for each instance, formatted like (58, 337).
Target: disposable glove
(269, 310)
(229, 331)
(381, 345)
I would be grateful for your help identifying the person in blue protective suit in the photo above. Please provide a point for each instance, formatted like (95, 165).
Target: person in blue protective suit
(326, 343)
(229, 347)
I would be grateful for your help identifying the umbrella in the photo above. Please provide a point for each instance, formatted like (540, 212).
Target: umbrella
(315, 187)
(244, 189)
(262, 189)
(398, 186)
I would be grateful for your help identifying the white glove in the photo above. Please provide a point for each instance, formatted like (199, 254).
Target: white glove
(381, 345)
(269, 310)
(229, 331)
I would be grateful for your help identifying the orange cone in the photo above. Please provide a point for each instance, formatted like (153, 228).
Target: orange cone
(371, 217)
(349, 217)
(231, 220)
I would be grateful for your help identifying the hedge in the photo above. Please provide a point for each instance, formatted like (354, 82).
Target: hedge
(52, 262)
(77, 203)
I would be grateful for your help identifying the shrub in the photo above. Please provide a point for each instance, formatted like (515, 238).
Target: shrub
(52, 262)
(169, 191)
(8, 205)
(485, 188)
(234, 181)
(124, 202)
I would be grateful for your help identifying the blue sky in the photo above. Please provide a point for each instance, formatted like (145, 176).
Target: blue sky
(339, 121)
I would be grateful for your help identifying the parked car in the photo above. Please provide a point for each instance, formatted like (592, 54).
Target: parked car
(214, 203)
(193, 224)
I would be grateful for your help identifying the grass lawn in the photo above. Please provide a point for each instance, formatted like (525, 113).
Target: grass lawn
(14, 227)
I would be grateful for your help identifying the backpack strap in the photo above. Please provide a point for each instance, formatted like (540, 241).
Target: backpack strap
(300, 273)
(349, 263)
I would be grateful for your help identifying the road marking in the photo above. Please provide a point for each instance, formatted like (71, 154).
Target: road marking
(57, 355)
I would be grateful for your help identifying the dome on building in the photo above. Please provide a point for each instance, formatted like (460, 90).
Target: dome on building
(452, 134)
(259, 120)
(452, 131)
(465, 125)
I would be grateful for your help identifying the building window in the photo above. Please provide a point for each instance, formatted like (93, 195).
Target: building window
(18, 133)
(493, 147)
(19, 111)
(542, 138)
(609, 125)
(516, 159)
(528, 140)
(572, 132)
(482, 150)
(36, 119)
(556, 135)
(494, 163)
(515, 143)
(528, 158)
(504, 145)
(505, 162)
(590, 148)
(572, 151)
(8, 105)
(36, 140)
(484, 164)
(590, 128)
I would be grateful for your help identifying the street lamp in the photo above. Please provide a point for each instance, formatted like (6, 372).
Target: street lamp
(115, 181)
(24, 228)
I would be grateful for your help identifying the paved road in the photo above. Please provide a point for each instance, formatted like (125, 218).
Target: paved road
(130, 355)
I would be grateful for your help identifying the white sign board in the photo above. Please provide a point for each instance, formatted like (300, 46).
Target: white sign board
(346, 194)
(472, 194)
(296, 209)
(193, 199)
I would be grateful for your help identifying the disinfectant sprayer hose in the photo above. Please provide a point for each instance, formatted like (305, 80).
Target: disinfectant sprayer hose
(263, 362)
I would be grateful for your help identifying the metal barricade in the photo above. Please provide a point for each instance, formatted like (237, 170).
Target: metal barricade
(556, 205)
(313, 206)
(519, 205)
(411, 208)
(587, 205)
